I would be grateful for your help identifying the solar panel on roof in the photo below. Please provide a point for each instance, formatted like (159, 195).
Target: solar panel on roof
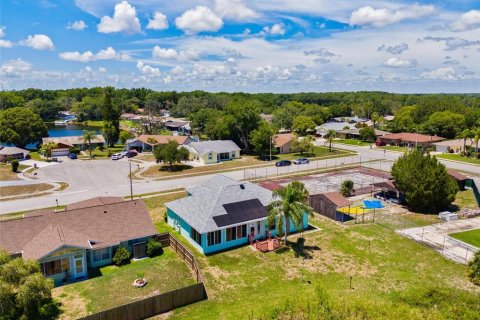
(242, 211)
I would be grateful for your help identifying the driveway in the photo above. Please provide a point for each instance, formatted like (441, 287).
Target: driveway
(88, 175)
(436, 237)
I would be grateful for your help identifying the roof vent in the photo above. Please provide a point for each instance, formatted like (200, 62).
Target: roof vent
(105, 211)
(242, 187)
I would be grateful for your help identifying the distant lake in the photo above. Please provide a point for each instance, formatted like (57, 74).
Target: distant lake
(66, 131)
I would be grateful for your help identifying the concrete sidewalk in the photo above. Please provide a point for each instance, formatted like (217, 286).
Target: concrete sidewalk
(437, 237)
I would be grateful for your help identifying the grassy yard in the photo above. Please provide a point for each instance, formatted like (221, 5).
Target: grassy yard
(113, 286)
(471, 237)
(6, 173)
(353, 142)
(465, 200)
(392, 277)
(157, 209)
(394, 148)
(24, 189)
(457, 157)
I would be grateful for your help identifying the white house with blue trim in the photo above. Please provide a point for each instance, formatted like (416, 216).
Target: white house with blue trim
(224, 213)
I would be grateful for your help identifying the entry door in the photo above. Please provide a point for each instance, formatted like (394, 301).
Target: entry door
(139, 250)
(78, 266)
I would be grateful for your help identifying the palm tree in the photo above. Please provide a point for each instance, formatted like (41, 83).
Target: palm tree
(466, 134)
(47, 149)
(289, 205)
(476, 139)
(331, 135)
(375, 117)
(88, 135)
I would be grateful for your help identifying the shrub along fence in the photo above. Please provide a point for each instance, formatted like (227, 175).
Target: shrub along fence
(163, 302)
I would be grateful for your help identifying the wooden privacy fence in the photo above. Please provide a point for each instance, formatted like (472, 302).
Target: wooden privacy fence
(163, 302)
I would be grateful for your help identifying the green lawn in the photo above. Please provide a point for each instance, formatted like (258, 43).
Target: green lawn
(471, 237)
(393, 278)
(113, 286)
(465, 200)
(353, 142)
(319, 153)
(395, 148)
(457, 157)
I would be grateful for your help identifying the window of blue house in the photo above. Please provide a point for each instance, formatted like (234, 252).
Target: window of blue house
(237, 232)
(196, 236)
(214, 238)
(102, 254)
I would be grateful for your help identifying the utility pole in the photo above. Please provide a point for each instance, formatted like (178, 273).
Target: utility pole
(271, 148)
(131, 185)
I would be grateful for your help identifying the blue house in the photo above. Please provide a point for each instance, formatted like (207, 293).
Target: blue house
(224, 213)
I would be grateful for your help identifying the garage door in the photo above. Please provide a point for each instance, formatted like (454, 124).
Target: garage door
(60, 152)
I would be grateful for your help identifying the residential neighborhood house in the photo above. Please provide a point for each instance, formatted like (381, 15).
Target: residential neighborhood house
(213, 151)
(146, 142)
(323, 129)
(68, 243)
(179, 126)
(223, 213)
(453, 146)
(64, 144)
(283, 142)
(407, 139)
(12, 153)
(355, 133)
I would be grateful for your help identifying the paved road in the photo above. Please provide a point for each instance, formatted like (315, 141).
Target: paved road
(95, 178)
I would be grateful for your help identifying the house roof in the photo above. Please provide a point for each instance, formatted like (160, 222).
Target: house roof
(162, 139)
(454, 143)
(337, 126)
(11, 150)
(217, 146)
(337, 199)
(282, 139)
(355, 119)
(205, 209)
(36, 236)
(72, 140)
(412, 137)
(387, 184)
(457, 176)
(175, 124)
(356, 131)
(98, 201)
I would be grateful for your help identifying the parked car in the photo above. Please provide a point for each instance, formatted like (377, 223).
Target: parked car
(301, 161)
(72, 156)
(131, 153)
(379, 143)
(117, 156)
(283, 163)
(54, 160)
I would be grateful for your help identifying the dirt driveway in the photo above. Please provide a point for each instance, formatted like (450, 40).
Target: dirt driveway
(436, 237)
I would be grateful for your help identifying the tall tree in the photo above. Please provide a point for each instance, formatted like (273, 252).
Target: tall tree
(170, 153)
(289, 205)
(47, 149)
(465, 135)
(247, 118)
(88, 135)
(111, 117)
(262, 138)
(445, 124)
(476, 139)
(367, 134)
(302, 125)
(425, 182)
(20, 126)
(303, 145)
(330, 136)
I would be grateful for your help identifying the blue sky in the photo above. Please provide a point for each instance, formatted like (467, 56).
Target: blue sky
(242, 45)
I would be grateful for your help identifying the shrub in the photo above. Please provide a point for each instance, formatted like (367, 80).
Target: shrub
(28, 157)
(154, 248)
(15, 165)
(346, 188)
(474, 271)
(74, 150)
(122, 256)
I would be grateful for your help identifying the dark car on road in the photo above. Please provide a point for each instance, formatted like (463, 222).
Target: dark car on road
(283, 163)
(72, 156)
(131, 153)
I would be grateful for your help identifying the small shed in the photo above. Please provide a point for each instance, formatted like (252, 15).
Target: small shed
(327, 204)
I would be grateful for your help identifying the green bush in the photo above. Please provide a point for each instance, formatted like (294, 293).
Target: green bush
(15, 165)
(74, 150)
(122, 256)
(154, 248)
(474, 272)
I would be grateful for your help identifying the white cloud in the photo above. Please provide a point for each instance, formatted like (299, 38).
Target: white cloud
(148, 70)
(399, 63)
(38, 42)
(397, 49)
(5, 43)
(235, 10)
(2, 31)
(77, 25)
(87, 56)
(102, 70)
(124, 20)
(77, 56)
(189, 54)
(106, 54)
(199, 19)
(163, 53)
(15, 67)
(276, 29)
(159, 21)
(447, 73)
(468, 21)
(368, 16)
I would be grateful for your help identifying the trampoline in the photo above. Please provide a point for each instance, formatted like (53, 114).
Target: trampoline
(373, 204)
(353, 210)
